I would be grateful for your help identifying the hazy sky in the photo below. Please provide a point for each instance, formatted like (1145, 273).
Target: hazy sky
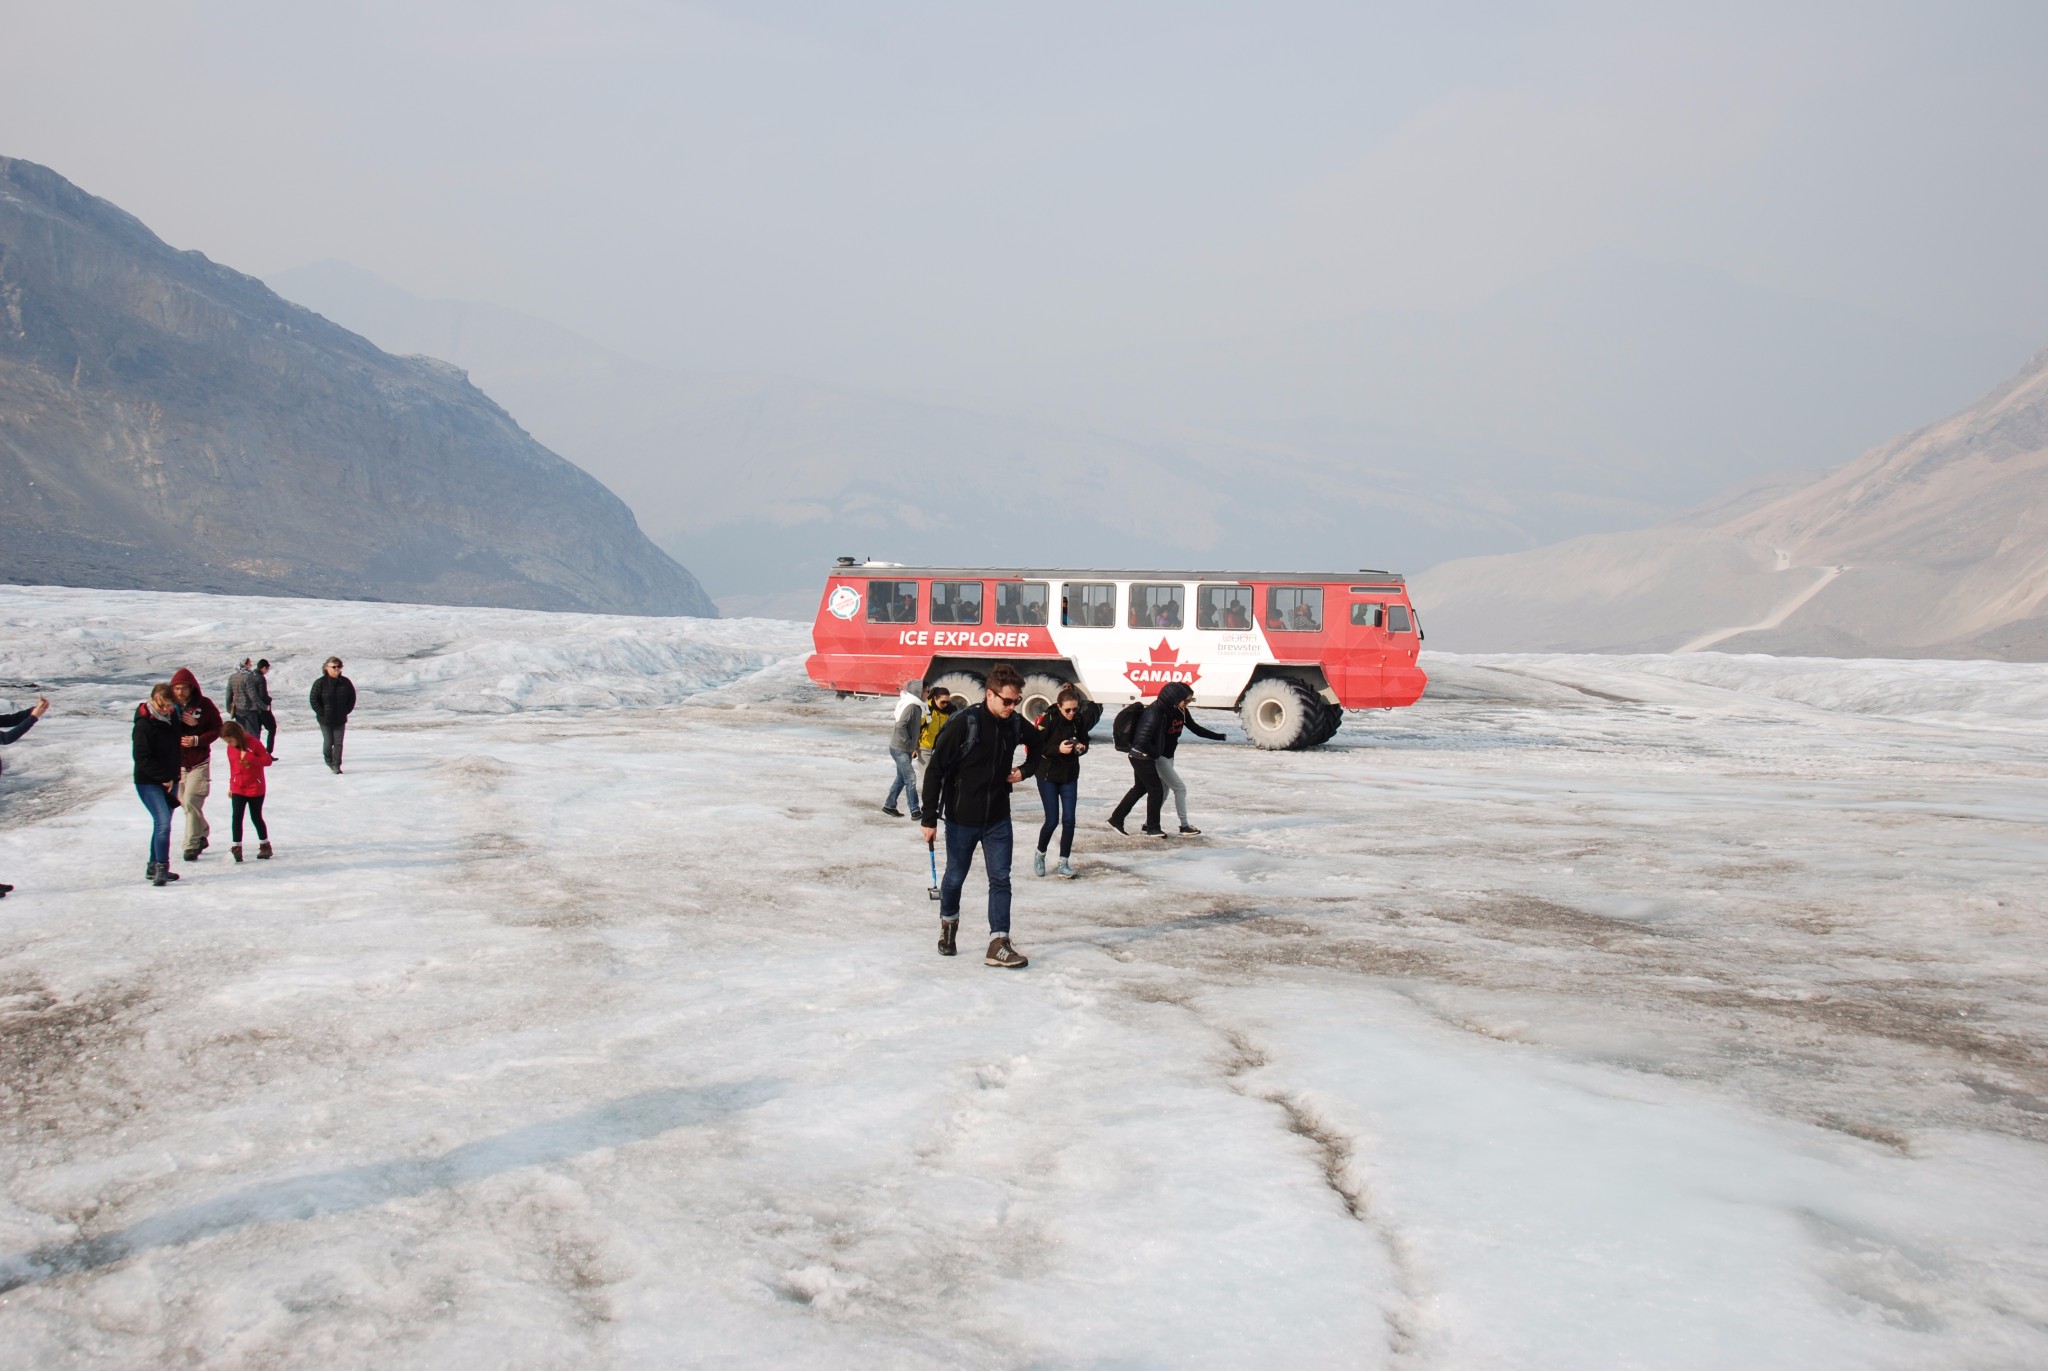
(996, 199)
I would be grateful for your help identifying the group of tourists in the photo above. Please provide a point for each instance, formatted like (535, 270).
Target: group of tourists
(958, 763)
(172, 743)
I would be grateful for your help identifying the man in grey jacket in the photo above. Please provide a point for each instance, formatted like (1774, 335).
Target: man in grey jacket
(904, 735)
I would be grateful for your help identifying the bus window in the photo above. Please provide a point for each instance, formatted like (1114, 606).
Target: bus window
(1367, 615)
(1022, 603)
(1295, 609)
(956, 602)
(1088, 604)
(1156, 606)
(1227, 609)
(1397, 619)
(892, 602)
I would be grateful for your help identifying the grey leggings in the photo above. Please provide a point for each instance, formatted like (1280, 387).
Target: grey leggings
(1176, 785)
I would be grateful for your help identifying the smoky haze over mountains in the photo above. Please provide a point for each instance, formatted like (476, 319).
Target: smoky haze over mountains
(1306, 282)
(1605, 396)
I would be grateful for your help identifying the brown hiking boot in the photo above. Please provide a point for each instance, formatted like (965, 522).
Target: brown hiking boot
(1000, 953)
(949, 935)
(263, 849)
(236, 852)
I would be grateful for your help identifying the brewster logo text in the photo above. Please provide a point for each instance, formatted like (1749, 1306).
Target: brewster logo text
(1165, 668)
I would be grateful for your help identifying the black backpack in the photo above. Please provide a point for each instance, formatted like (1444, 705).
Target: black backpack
(1126, 725)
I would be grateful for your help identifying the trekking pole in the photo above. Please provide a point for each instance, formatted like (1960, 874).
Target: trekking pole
(931, 850)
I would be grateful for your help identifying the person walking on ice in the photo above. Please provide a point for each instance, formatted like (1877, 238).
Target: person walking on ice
(156, 747)
(333, 696)
(968, 785)
(12, 726)
(246, 759)
(904, 734)
(1062, 738)
(1169, 742)
(201, 718)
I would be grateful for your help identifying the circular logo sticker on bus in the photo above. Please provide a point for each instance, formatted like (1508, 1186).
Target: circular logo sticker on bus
(845, 602)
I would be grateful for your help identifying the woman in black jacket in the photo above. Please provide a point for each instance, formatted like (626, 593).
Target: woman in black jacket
(1162, 760)
(1063, 737)
(157, 740)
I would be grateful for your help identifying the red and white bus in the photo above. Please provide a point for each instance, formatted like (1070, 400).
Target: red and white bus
(1288, 651)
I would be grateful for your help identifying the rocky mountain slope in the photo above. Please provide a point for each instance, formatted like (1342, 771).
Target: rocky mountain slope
(167, 423)
(1934, 544)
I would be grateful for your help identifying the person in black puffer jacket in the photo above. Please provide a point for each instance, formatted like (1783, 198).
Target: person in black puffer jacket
(968, 782)
(333, 696)
(1156, 733)
(1062, 738)
(158, 746)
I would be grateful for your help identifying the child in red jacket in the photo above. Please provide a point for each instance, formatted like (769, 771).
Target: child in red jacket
(246, 760)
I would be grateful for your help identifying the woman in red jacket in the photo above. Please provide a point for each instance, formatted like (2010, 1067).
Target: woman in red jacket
(246, 760)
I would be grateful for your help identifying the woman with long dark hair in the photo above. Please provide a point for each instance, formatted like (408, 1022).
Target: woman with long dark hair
(157, 743)
(1063, 737)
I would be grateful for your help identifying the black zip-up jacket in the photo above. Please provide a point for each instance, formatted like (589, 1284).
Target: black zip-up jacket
(158, 746)
(1055, 728)
(332, 697)
(12, 726)
(971, 784)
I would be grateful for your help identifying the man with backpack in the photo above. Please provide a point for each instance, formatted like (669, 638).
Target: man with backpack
(968, 783)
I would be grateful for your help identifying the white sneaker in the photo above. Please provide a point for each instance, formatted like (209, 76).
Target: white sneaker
(1038, 863)
(1065, 868)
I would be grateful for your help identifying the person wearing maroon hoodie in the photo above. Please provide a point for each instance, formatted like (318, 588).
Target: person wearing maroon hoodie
(195, 759)
(246, 759)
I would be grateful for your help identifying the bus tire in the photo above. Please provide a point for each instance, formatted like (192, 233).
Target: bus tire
(965, 685)
(1040, 690)
(1326, 727)
(1279, 713)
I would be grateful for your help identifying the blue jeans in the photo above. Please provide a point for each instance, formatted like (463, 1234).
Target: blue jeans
(995, 842)
(157, 801)
(905, 782)
(1060, 799)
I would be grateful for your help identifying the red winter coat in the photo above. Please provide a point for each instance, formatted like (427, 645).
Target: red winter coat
(245, 768)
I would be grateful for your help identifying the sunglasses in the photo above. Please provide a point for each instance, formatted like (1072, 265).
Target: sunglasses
(1009, 701)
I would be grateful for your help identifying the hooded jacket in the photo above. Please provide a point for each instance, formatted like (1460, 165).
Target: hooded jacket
(968, 780)
(1159, 727)
(1055, 728)
(245, 768)
(909, 725)
(206, 730)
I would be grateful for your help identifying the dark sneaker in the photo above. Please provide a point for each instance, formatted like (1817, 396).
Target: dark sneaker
(1152, 833)
(917, 816)
(892, 811)
(1000, 953)
(949, 937)
(191, 854)
(1191, 831)
(4, 888)
(1118, 825)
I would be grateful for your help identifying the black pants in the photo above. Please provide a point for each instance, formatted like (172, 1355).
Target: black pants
(330, 742)
(251, 805)
(1145, 781)
(270, 731)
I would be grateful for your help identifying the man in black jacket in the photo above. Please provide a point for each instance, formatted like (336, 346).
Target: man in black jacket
(1158, 729)
(968, 781)
(333, 696)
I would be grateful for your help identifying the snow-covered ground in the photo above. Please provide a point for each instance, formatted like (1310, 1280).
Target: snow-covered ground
(1660, 1011)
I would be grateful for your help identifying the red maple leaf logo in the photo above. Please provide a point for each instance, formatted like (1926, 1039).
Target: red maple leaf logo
(1165, 668)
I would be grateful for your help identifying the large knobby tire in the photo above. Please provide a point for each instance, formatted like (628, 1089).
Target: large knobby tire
(1327, 726)
(1279, 713)
(963, 685)
(1040, 690)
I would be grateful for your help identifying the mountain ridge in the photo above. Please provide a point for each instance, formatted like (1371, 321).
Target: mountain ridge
(169, 422)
